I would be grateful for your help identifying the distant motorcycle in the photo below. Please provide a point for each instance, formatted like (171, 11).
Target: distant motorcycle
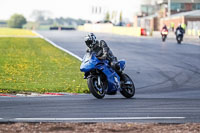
(179, 36)
(102, 79)
(164, 34)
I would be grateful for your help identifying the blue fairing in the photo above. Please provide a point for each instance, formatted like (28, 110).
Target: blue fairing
(88, 63)
(91, 62)
(122, 64)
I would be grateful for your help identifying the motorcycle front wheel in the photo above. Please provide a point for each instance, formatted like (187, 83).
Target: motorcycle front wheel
(128, 90)
(97, 91)
(163, 38)
(179, 39)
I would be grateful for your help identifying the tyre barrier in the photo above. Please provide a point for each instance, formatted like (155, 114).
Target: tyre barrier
(61, 28)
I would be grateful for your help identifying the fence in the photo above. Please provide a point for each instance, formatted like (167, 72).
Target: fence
(193, 28)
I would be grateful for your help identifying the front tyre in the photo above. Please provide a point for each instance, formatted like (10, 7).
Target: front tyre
(179, 39)
(96, 90)
(163, 38)
(128, 90)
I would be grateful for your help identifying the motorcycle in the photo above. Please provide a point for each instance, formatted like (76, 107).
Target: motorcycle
(102, 79)
(164, 34)
(179, 36)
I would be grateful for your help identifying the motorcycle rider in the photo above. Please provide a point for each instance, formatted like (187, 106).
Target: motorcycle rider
(164, 33)
(179, 33)
(103, 52)
(164, 28)
(180, 29)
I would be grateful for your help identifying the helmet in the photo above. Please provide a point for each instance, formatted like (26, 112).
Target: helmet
(90, 40)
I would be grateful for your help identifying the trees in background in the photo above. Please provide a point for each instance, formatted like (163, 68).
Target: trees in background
(120, 17)
(41, 16)
(115, 18)
(17, 21)
(107, 17)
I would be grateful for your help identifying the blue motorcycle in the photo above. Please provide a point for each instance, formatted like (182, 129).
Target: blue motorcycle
(102, 79)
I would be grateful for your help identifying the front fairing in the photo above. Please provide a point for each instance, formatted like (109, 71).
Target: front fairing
(178, 33)
(164, 33)
(89, 62)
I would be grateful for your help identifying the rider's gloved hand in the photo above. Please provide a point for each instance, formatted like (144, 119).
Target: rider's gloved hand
(101, 58)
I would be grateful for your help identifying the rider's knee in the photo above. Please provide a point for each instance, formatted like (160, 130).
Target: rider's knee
(116, 66)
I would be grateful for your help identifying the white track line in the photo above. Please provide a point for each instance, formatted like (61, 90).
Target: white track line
(87, 119)
(54, 44)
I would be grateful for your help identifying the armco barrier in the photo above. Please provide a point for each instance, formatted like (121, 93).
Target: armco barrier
(193, 32)
(81, 28)
(130, 31)
(109, 28)
(103, 28)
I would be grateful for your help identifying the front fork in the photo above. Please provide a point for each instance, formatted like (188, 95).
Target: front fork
(99, 80)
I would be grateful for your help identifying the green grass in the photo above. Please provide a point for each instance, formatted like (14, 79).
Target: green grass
(34, 65)
(15, 32)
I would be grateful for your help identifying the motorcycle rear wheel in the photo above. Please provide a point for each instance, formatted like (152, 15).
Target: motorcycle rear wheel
(128, 91)
(96, 90)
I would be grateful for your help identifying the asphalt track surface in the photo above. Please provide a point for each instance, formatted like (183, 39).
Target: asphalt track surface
(166, 77)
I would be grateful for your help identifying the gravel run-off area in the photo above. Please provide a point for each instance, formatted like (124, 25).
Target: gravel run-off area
(98, 127)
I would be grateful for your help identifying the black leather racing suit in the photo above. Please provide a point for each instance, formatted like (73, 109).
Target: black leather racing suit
(103, 52)
(181, 30)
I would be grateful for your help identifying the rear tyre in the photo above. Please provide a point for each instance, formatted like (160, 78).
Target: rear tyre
(128, 90)
(96, 90)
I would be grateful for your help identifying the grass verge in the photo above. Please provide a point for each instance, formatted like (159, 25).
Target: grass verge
(33, 65)
(15, 32)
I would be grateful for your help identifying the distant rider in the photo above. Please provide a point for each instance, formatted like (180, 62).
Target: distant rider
(164, 28)
(103, 52)
(180, 29)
